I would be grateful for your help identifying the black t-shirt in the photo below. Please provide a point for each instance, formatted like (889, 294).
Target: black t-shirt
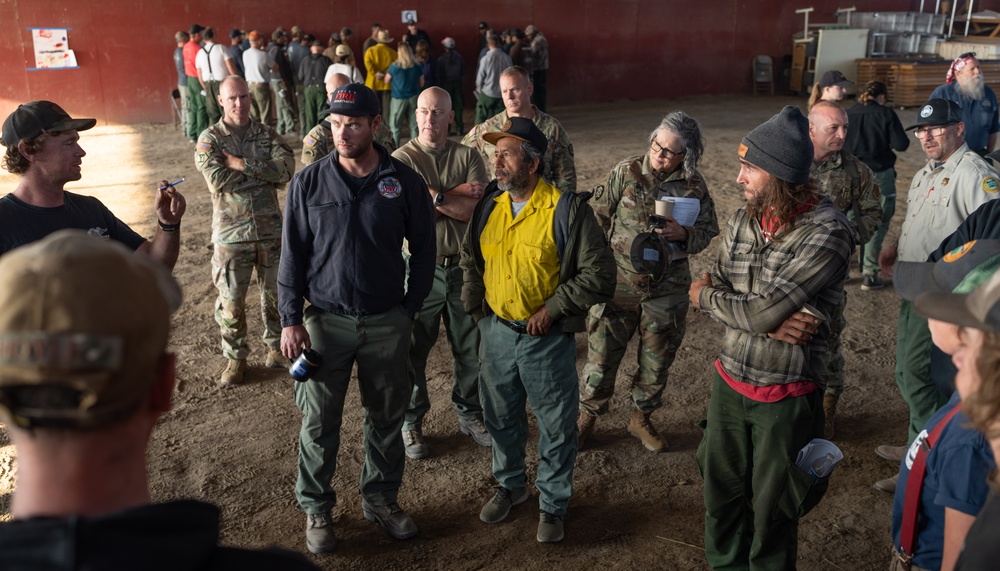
(21, 223)
(981, 550)
(174, 536)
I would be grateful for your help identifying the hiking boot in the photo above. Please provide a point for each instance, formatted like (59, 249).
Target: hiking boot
(275, 360)
(233, 375)
(640, 427)
(413, 443)
(585, 424)
(869, 283)
(319, 533)
(550, 527)
(891, 453)
(498, 507)
(829, 414)
(475, 428)
(396, 522)
(887, 485)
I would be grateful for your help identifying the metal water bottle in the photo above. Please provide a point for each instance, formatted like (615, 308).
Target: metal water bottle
(305, 365)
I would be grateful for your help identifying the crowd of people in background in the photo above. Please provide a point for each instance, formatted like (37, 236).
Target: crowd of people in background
(387, 233)
(280, 72)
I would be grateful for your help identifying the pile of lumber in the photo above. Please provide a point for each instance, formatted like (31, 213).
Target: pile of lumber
(910, 82)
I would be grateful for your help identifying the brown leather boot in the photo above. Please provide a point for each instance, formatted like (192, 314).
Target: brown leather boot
(829, 414)
(585, 424)
(640, 427)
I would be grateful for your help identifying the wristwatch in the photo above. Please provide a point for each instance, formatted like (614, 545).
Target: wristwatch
(439, 200)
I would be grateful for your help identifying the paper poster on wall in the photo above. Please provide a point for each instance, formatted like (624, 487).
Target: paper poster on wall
(409, 15)
(52, 48)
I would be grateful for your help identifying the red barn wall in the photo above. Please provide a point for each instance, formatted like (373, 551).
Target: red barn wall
(600, 50)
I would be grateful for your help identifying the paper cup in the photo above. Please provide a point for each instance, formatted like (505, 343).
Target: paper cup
(664, 208)
(806, 308)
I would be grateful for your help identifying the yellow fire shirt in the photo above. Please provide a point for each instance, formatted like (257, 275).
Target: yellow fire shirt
(521, 260)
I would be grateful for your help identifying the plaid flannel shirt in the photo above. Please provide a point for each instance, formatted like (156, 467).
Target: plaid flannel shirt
(757, 284)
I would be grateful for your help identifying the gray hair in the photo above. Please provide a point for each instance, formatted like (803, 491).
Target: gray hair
(687, 128)
(531, 152)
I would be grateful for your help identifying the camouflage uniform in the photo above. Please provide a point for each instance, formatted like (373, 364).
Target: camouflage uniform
(834, 178)
(246, 225)
(623, 205)
(560, 170)
(319, 142)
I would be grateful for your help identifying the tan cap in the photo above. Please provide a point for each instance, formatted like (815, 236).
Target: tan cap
(85, 314)
(342, 50)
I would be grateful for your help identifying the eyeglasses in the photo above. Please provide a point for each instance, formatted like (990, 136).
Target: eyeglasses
(664, 152)
(919, 132)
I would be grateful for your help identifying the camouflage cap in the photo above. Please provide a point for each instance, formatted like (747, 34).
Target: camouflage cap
(960, 271)
(979, 309)
(84, 314)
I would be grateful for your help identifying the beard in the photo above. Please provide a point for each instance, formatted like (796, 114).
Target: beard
(359, 147)
(973, 87)
(517, 183)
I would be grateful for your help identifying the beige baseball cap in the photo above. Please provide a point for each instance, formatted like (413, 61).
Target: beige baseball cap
(84, 314)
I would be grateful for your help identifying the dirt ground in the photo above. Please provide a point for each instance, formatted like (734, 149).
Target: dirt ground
(630, 509)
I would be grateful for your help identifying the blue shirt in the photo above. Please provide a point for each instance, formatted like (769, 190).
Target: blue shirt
(405, 82)
(957, 469)
(981, 116)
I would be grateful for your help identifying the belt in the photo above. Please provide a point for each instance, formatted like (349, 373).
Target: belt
(447, 261)
(515, 326)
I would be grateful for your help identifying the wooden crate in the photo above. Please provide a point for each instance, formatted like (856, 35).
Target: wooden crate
(911, 82)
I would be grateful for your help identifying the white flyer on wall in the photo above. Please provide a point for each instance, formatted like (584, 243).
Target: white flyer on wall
(52, 48)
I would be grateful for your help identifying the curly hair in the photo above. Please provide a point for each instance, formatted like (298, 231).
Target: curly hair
(15, 162)
(983, 406)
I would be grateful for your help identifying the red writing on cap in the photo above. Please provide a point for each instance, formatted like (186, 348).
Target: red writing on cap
(345, 97)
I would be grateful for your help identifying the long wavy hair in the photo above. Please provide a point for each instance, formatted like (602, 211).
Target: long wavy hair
(782, 200)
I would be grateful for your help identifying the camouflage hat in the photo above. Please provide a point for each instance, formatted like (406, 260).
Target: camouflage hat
(521, 129)
(85, 315)
(979, 309)
(960, 271)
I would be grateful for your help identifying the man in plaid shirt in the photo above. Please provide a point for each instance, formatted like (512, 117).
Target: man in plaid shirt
(780, 274)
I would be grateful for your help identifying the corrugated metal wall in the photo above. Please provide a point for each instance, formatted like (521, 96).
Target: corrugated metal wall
(601, 50)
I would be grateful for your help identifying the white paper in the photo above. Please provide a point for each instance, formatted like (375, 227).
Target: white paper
(686, 209)
(686, 212)
(52, 48)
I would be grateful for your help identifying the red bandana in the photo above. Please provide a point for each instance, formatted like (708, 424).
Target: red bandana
(957, 65)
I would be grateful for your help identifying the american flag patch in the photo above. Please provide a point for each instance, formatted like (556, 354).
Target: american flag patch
(204, 147)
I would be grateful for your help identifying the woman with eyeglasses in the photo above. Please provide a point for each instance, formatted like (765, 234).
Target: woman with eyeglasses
(873, 132)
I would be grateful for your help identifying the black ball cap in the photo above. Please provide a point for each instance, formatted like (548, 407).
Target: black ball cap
(521, 129)
(353, 100)
(32, 119)
(937, 112)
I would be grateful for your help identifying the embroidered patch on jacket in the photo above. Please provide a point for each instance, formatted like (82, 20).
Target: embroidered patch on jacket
(958, 252)
(204, 147)
(309, 140)
(389, 187)
(991, 185)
